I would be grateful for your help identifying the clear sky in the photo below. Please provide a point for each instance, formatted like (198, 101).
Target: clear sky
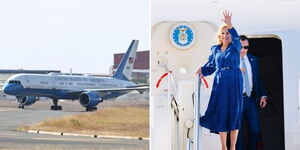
(64, 34)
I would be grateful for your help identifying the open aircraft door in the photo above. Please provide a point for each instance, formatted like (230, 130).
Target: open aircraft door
(278, 55)
(290, 91)
(178, 49)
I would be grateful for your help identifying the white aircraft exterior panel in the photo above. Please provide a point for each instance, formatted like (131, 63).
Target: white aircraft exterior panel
(291, 69)
(70, 82)
(183, 64)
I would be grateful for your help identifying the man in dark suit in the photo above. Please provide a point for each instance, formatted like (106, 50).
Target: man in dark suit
(253, 95)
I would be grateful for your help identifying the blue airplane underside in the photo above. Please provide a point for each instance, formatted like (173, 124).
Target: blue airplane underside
(19, 90)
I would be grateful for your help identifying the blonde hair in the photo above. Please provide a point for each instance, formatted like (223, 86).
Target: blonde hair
(218, 39)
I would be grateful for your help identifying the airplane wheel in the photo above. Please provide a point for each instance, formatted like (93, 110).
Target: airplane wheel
(90, 109)
(22, 107)
(59, 108)
(52, 107)
(95, 108)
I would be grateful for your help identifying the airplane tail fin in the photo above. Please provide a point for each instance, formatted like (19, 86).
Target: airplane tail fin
(125, 67)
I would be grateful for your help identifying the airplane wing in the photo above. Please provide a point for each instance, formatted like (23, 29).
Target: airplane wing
(140, 85)
(140, 88)
(131, 88)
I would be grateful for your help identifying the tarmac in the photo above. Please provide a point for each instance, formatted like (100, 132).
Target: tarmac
(12, 117)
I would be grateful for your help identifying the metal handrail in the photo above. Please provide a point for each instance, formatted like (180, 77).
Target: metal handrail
(172, 90)
(172, 96)
(173, 83)
(197, 131)
(188, 146)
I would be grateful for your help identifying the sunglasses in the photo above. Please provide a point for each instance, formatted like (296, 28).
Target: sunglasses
(245, 47)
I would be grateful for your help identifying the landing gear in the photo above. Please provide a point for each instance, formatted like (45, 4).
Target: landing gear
(55, 106)
(91, 109)
(19, 99)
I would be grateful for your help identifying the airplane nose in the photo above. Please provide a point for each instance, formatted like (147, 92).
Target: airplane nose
(6, 89)
(10, 89)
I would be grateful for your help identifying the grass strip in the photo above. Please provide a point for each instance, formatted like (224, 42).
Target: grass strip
(118, 121)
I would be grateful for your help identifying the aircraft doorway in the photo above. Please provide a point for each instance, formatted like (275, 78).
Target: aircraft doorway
(268, 50)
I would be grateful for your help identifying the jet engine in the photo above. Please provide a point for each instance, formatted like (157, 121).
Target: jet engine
(89, 100)
(27, 100)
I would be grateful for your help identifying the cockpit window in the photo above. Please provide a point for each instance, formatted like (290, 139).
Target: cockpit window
(14, 82)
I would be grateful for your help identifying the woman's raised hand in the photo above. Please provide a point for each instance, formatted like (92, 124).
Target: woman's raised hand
(227, 18)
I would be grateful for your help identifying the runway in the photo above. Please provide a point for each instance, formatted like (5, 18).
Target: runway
(12, 117)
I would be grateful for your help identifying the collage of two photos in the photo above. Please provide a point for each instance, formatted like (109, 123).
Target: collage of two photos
(150, 74)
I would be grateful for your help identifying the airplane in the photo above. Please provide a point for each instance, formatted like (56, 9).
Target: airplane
(273, 28)
(89, 90)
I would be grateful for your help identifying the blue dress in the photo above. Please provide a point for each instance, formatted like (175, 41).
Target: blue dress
(224, 109)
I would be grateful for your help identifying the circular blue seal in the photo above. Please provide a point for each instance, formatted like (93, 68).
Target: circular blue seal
(182, 36)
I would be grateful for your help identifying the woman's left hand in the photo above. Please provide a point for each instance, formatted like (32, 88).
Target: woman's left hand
(199, 71)
(227, 18)
(242, 69)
